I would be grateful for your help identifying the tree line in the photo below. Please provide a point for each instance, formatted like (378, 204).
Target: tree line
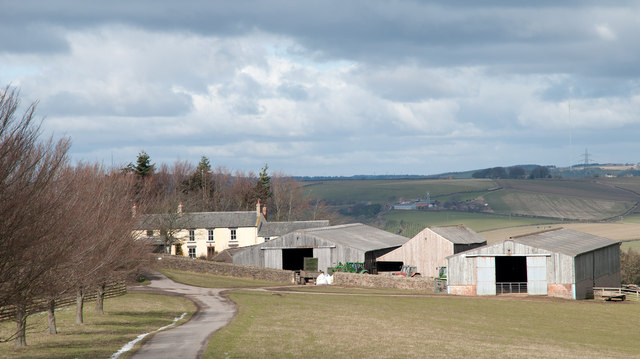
(514, 172)
(202, 188)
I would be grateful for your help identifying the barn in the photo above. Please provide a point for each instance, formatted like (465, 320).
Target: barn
(343, 243)
(560, 263)
(429, 249)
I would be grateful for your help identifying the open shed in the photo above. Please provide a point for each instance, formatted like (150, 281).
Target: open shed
(560, 263)
(343, 243)
(429, 249)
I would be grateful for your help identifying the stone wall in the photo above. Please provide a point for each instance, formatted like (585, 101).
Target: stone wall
(382, 281)
(227, 269)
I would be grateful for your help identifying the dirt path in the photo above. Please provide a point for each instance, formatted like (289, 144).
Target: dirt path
(190, 339)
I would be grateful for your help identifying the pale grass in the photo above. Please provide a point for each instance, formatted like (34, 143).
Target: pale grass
(288, 325)
(213, 281)
(125, 318)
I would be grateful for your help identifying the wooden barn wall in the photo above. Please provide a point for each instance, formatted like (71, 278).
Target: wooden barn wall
(427, 251)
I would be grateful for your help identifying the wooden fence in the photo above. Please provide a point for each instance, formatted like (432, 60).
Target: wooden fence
(629, 293)
(112, 289)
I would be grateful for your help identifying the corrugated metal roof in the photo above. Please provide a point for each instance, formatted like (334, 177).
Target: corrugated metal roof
(273, 229)
(459, 234)
(201, 220)
(565, 241)
(358, 236)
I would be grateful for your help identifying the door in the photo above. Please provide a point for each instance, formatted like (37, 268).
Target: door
(486, 269)
(537, 275)
(211, 251)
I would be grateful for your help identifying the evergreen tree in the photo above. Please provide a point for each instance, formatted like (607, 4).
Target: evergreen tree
(263, 186)
(143, 167)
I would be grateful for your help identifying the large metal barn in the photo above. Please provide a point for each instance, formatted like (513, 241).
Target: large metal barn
(560, 263)
(343, 243)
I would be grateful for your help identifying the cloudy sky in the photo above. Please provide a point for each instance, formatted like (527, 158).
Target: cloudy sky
(331, 87)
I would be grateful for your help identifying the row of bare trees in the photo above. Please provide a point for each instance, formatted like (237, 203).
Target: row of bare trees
(63, 228)
(202, 188)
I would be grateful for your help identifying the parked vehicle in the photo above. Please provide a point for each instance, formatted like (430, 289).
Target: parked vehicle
(408, 271)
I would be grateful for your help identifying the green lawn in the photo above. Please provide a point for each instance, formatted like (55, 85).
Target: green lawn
(284, 325)
(125, 318)
(214, 281)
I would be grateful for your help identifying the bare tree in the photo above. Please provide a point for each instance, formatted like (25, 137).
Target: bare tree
(30, 202)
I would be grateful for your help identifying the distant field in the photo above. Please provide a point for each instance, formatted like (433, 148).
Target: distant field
(390, 191)
(617, 231)
(412, 222)
(555, 205)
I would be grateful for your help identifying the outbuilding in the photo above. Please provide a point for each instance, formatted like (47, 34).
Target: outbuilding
(559, 263)
(429, 249)
(330, 245)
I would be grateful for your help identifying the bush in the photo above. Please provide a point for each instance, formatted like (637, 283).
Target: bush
(630, 267)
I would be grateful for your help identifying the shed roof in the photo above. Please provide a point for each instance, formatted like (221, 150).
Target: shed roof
(358, 236)
(458, 234)
(565, 241)
(201, 220)
(272, 229)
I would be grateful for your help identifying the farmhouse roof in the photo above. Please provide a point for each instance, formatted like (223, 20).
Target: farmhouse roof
(201, 220)
(358, 236)
(458, 234)
(565, 241)
(273, 229)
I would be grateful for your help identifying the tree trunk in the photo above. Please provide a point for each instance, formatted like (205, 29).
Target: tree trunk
(51, 307)
(21, 328)
(79, 305)
(100, 299)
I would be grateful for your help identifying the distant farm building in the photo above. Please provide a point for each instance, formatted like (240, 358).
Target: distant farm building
(330, 245)
(559, 263)
(429, 249)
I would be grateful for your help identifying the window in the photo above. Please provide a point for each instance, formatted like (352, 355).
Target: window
(210, 238)
(192, 252)
(266, 239)
(234, 237)
(149, 233)
(192, 235)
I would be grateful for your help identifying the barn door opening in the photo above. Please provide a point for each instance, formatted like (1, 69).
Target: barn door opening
(511, 274)
(293, 258)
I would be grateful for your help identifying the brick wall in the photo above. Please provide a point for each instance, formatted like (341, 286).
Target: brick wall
(227, 269)
(382, 281)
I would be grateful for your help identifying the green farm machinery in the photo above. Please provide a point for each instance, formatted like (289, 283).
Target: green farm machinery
(349, 267)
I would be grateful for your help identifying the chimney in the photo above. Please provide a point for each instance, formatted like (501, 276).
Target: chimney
(258, 209)
(264, 212)
(133, 210)
(180, 209)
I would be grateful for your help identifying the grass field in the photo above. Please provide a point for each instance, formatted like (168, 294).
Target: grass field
(390, 191)
(286, 325)
(555, 205)
(409, 223)
(618, 231)
(125, 318)
(213, 281)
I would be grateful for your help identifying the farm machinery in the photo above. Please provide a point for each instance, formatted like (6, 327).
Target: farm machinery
(440, 283)
(349, 267)
(408, 271)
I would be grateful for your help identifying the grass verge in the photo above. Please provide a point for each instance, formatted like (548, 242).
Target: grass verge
(125, 318)
(287, 325)
(213, 281)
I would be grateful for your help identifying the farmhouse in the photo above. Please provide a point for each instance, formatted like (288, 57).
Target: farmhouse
(344, 243)
(206, 233)
(560, 263)
(429, 249)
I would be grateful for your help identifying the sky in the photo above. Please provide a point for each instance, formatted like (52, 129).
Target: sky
(331, 88)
